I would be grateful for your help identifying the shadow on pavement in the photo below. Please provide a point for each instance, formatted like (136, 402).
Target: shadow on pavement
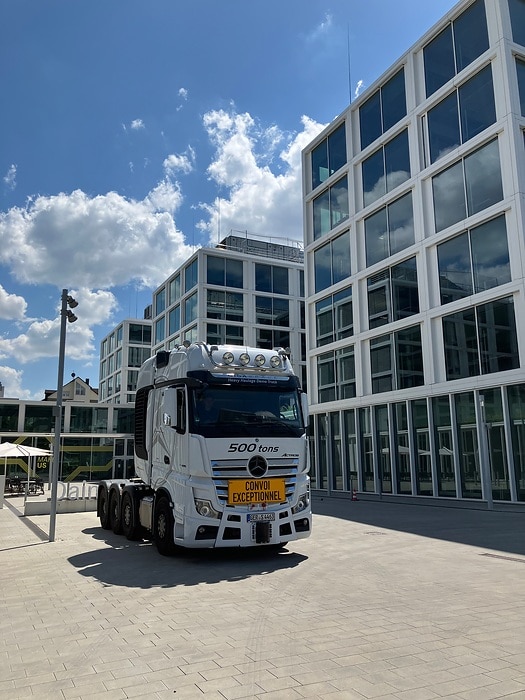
(497, 530)
(139, 565)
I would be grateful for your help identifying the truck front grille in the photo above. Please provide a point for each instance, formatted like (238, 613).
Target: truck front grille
(223, 470)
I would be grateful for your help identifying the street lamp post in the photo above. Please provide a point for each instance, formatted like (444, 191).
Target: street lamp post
(65, 315)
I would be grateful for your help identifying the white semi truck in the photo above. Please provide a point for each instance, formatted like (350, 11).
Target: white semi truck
(220, 452)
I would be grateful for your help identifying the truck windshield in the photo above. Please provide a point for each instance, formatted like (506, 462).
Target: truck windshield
(248, 411)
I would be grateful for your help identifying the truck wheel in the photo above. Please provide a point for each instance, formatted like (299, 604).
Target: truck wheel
(163, 528)
(129, 517)
(114, 512)
(103, 508)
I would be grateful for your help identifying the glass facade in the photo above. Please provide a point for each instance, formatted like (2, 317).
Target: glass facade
(455, 47)
(385, 169)
(329, 156)
(429, 398)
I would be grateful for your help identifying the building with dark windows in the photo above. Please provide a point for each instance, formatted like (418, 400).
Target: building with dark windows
(414, 211)
(122, 352)
(246, 291)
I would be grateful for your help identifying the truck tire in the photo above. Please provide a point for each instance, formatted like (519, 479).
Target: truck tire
(129, 517)
(114, 512)
(163, 528)
(103, 508)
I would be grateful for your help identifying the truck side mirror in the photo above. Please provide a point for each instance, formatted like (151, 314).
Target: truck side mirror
(304, 408)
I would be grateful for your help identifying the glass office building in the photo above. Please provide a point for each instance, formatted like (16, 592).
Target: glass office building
(248, 290)
(96, 441)
(414, 212)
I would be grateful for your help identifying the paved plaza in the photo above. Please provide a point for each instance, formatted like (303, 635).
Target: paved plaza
(382, 601)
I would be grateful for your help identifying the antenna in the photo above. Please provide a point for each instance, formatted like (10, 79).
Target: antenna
(348, 61)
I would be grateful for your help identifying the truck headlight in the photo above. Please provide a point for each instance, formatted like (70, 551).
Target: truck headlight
(205, 509)
(302, 503)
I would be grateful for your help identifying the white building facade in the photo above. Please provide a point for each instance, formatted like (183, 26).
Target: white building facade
(246, 291)
(122, 352)
(414, 211)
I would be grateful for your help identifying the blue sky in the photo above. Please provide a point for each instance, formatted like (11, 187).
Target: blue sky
(125, 123)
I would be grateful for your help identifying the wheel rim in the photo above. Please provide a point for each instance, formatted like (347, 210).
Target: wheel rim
(127, 514)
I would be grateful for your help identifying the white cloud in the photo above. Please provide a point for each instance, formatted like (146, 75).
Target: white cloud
(12, 382)
(10, 177)
(41, 338)
(96, 242)
(359, 86)
(183, 93)
(137, 124)
(12, 307)
(257, 199)
(322, 28)
(183, 163)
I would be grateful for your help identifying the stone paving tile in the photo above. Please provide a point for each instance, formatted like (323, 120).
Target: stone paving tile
(406, 615)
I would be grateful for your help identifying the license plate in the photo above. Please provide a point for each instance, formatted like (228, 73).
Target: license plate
(261, 517)
(251, 492)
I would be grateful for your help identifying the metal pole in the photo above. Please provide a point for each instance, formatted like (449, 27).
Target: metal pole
(58, 418)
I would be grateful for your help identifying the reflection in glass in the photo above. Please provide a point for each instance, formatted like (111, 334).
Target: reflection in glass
(402, 449)
(520, 71)
(336, 452)
(517, 20)
(423, 459)
(470, 35)
(376, 237)
(443, 127)
(490, 254)
(516, 401)
(350, 446)
(321, 450)
(438, 56)
(383, 444)
(397, 161)
(446, 478)
(494, 425)
(468, 446)
(476, 104)
(401, 223)
(367, 450)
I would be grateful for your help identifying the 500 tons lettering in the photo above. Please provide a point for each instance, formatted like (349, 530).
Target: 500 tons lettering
(250, 447)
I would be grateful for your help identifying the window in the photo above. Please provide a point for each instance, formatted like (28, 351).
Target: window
(190, 308)
(37, 419)
(224, 272)
(136, 356)
(119, 336)
(271, 278)
(174, 320)
(393, 294)
(455, 47)
(332, 262)
(481, 340)
(160, 301)
(464, 113)
(219, 334)
(396, 360)
(132, 380)
(467, 187)
(386, 168)
(474, 261)
(329, 156)
(224, 305)
(336, 375)
(517, 20)
(174, 289)
(389, 230)
(520, 70)
(160, 329)
(272, 311)
(330, 208)
(271, 338)
(334, 317)
(139, 333)
(191, 275)
(383, 109)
